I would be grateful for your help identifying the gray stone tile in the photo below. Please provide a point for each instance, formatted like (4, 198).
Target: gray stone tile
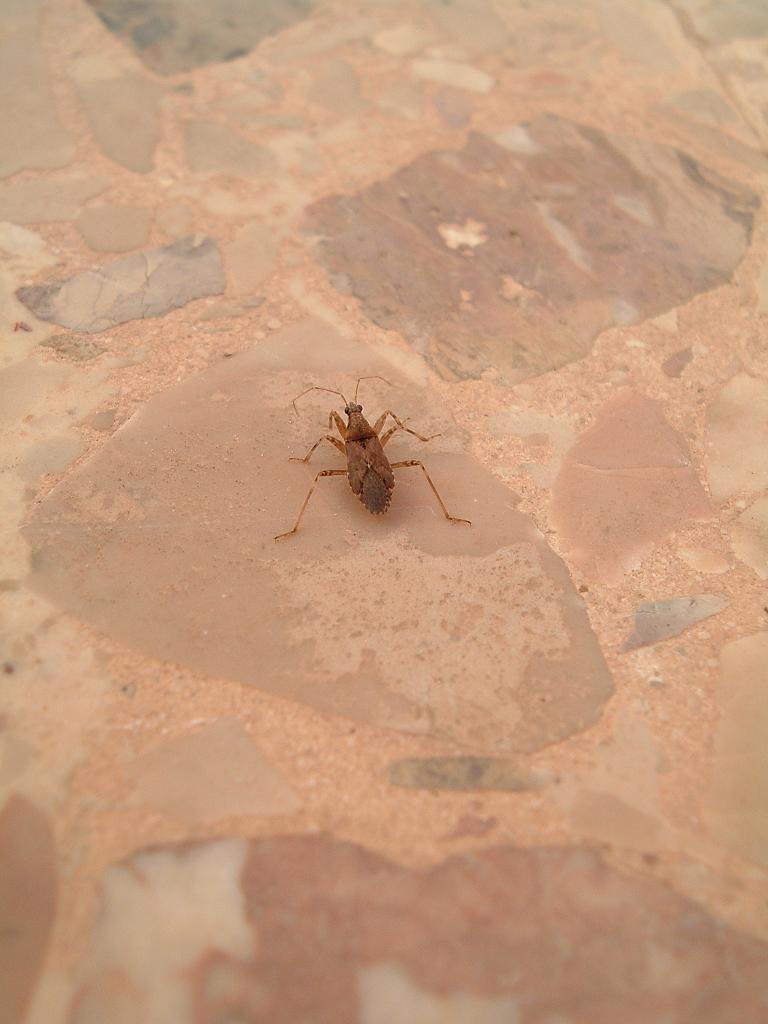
(463, 773)
(660, 620)
(137, 286)
(178, 35)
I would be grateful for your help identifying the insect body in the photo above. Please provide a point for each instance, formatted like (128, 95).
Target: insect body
(369, 471)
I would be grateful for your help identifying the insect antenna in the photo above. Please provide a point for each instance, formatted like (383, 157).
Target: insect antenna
(374, 377)
(316, 387)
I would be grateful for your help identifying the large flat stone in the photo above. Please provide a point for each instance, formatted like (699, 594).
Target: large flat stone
(132, 288)
(170, 550)
(513, 253)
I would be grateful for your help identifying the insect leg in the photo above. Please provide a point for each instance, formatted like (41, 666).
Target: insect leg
(400, 426)
(326, 437)
(446, 513)
(323, 472)
(316, 387)
(333, 417)
(374, 377)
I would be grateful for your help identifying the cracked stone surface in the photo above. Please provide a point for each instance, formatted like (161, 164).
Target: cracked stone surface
(132, 288)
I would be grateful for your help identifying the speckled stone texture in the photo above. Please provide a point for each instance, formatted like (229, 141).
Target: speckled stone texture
(392, 768)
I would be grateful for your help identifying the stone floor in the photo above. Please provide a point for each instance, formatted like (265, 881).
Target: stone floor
(392, 768)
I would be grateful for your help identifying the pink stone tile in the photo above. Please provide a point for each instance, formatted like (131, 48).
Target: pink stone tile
(625, 485)
(170, 550)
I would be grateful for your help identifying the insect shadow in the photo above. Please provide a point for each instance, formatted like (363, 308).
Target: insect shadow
(369, 471)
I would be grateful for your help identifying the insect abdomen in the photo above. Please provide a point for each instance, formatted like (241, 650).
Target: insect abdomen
(374, 494)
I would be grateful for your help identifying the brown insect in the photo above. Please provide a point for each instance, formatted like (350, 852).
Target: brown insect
(369, 471)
